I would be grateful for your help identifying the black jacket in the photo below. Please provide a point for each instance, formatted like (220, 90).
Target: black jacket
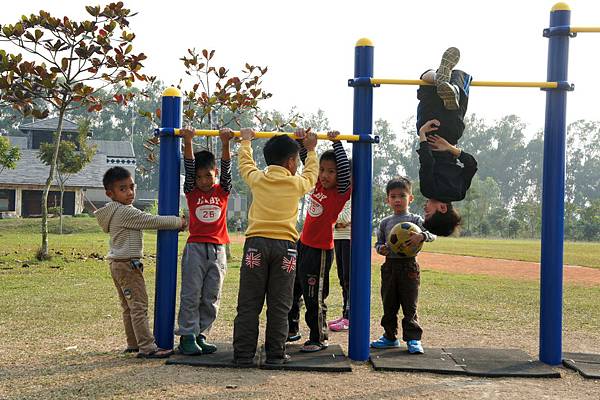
(442, 177)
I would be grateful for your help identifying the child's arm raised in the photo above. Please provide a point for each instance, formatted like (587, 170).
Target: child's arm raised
(246, 162)
(310, 172)
(225, 134)
(341, 162)
(300, 135)
(188, 160)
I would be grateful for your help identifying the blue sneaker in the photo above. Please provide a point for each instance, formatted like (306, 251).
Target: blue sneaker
(415, 347)
(385, 343)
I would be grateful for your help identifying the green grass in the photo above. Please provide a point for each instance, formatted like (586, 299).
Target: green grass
(73, 293)
(586, 254)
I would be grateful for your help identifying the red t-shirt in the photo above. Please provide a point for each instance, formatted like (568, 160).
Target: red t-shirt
(208, 215)
(324, 206)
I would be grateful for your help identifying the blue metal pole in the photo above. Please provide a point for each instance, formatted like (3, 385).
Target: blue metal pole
(362, 208)
(553, 193)
(168, 204)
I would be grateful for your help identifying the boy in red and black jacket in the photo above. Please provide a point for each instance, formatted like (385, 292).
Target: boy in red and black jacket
(315, 247)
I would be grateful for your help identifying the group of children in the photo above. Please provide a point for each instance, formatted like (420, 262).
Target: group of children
(279, 264)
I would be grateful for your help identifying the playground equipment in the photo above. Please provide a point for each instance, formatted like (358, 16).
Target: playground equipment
(363, 82)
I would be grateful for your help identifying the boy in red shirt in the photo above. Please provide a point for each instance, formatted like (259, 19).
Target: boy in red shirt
(315, 247)
(204, 262)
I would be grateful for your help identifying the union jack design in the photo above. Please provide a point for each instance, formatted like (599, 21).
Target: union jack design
(289, 264)
(252, 260)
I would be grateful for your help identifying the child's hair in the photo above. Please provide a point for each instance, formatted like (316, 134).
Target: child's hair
(443, 224)
(279, 148)
(113, 175)
(400, 182)
(328, 155)
(204, 159)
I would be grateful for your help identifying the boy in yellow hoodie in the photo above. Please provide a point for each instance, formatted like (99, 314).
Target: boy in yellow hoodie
(269, 262)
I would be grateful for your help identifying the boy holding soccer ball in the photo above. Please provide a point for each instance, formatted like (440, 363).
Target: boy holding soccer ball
(400, 274)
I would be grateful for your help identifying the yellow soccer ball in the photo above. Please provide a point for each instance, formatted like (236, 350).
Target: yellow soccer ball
(400, 234)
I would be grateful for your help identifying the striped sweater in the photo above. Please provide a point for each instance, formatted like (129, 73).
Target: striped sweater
(125, 225)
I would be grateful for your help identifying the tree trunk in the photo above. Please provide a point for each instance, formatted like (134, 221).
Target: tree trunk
(60, 212)
(43, 252)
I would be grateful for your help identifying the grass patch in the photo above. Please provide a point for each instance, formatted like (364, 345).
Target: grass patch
(72, 295)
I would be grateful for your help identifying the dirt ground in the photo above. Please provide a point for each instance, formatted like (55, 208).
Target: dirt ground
(92, 372)
(503, 268)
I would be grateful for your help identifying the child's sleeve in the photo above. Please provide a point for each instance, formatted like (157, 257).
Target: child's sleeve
(303, 152)
(310, 173)
(132, 218)
(426, 164)
(225, 179)
(246, 162)
(343, 167)
(429, 237)
(190, 175)
(346, 214)
(380, 236)
(469, 167)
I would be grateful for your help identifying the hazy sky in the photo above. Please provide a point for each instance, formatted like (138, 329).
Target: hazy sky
(309, 48)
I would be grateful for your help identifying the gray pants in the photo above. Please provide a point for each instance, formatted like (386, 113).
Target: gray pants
(268, 269)
(203, 269)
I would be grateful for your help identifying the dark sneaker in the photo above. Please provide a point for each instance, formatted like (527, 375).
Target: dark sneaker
(279, 360)
(207, 348)
(312, 347)
(293, 337)
(188, 345)
(129, 350)
(450, 95)
(449, 60)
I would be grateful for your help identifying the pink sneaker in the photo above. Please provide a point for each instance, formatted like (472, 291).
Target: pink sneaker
(334, 321)
(343, 325)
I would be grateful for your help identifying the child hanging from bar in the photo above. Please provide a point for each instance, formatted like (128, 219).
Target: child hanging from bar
(204, 262)
(445, 171)
(315, 247)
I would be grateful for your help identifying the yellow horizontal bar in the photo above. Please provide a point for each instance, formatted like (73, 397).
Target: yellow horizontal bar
(585, 29)
(545, 85)
(267, 135)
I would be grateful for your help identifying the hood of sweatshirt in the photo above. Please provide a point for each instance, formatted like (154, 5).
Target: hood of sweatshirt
(104, 215)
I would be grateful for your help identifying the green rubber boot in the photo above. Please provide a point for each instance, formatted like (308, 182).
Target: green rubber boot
(188, 346)
(207, 348)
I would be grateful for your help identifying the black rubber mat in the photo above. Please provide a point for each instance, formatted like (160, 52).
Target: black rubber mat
(222, 358)
(500, 363)
(434, 360)
(588, 365)
(332, 359)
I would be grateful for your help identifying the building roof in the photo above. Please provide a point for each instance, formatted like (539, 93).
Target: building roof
(49, 124)
(31, 171)
(114, 148)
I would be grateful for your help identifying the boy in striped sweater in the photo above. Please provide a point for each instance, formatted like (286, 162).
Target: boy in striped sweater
(204, 261)
(125, 223)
